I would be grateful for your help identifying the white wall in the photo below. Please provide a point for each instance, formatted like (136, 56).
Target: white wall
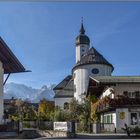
(121, 121)
(81, 77)
(107, 92)
(80, 52)
(60, 102)
(1, 93)
(81, 81)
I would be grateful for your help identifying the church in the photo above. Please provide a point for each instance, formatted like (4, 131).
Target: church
(118, 97)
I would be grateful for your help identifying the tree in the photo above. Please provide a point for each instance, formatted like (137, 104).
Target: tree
(45, 109)
(22, 110)
(29, 112)
(75, 109)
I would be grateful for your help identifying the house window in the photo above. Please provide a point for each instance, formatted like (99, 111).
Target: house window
(108, 119)
(125, 93)
(111, 118)
(66, 105)
(134, 119)
(137, 94)
(133, 94)
(105, 119)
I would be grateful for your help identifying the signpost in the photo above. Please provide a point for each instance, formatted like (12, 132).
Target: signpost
(63, 126)
(68, 127)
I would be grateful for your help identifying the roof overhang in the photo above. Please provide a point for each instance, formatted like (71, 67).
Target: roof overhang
(90, 63)
(10, 62)
(115, 79)
(63, 84)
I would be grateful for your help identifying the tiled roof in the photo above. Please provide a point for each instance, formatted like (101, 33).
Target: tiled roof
(64, 83)
(116, 79)
(64, 88)
(93, 57)
(10, 62)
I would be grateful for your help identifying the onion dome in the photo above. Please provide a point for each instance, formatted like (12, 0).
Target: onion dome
(82, 38)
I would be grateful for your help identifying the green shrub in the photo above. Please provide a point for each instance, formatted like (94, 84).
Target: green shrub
(136, 130)
(26, 125)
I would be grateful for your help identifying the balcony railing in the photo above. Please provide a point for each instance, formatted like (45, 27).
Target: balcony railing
(107, 103)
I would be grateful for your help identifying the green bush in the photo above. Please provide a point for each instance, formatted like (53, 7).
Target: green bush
(26, 125)
(130, 130)
(136, 130)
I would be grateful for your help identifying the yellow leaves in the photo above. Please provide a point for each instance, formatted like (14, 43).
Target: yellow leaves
(45, 107)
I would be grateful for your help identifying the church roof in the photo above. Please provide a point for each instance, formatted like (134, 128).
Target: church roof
(66, 88)
(10, 62)
(116, 79)
(93, 57)
(64, 83)
(82, 38)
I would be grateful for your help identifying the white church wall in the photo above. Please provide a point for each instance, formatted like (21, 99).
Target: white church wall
(80, 83)
(81, 50)
(104, 70)
(60, 101)
(1, 93)
(81, 77)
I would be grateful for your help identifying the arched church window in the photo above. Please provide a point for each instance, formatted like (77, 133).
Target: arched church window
(66, 105)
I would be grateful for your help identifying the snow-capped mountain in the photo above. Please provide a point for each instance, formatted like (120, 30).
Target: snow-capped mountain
(24, 92)
(46, 92)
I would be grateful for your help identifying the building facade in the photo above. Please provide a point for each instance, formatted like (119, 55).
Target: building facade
(118, 97)
(89, 62)
(8, 64)
(118, 100)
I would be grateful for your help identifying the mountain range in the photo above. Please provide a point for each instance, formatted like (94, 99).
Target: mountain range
(25, 92)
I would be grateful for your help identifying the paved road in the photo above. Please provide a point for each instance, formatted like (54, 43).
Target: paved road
(80, 139)
(96, 137)
(92, 136)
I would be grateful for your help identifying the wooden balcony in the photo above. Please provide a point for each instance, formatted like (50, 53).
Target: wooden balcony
(107, 104)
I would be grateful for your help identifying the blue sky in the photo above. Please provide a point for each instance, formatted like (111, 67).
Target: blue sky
(42, 36)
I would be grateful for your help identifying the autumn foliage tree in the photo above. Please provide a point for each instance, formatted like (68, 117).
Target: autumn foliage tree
(46, 110)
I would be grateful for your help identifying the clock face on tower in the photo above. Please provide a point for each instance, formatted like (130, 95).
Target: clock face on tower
(95, 71)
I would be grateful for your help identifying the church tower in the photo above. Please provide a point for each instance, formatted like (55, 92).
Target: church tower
(89, 62)
(82, 44)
